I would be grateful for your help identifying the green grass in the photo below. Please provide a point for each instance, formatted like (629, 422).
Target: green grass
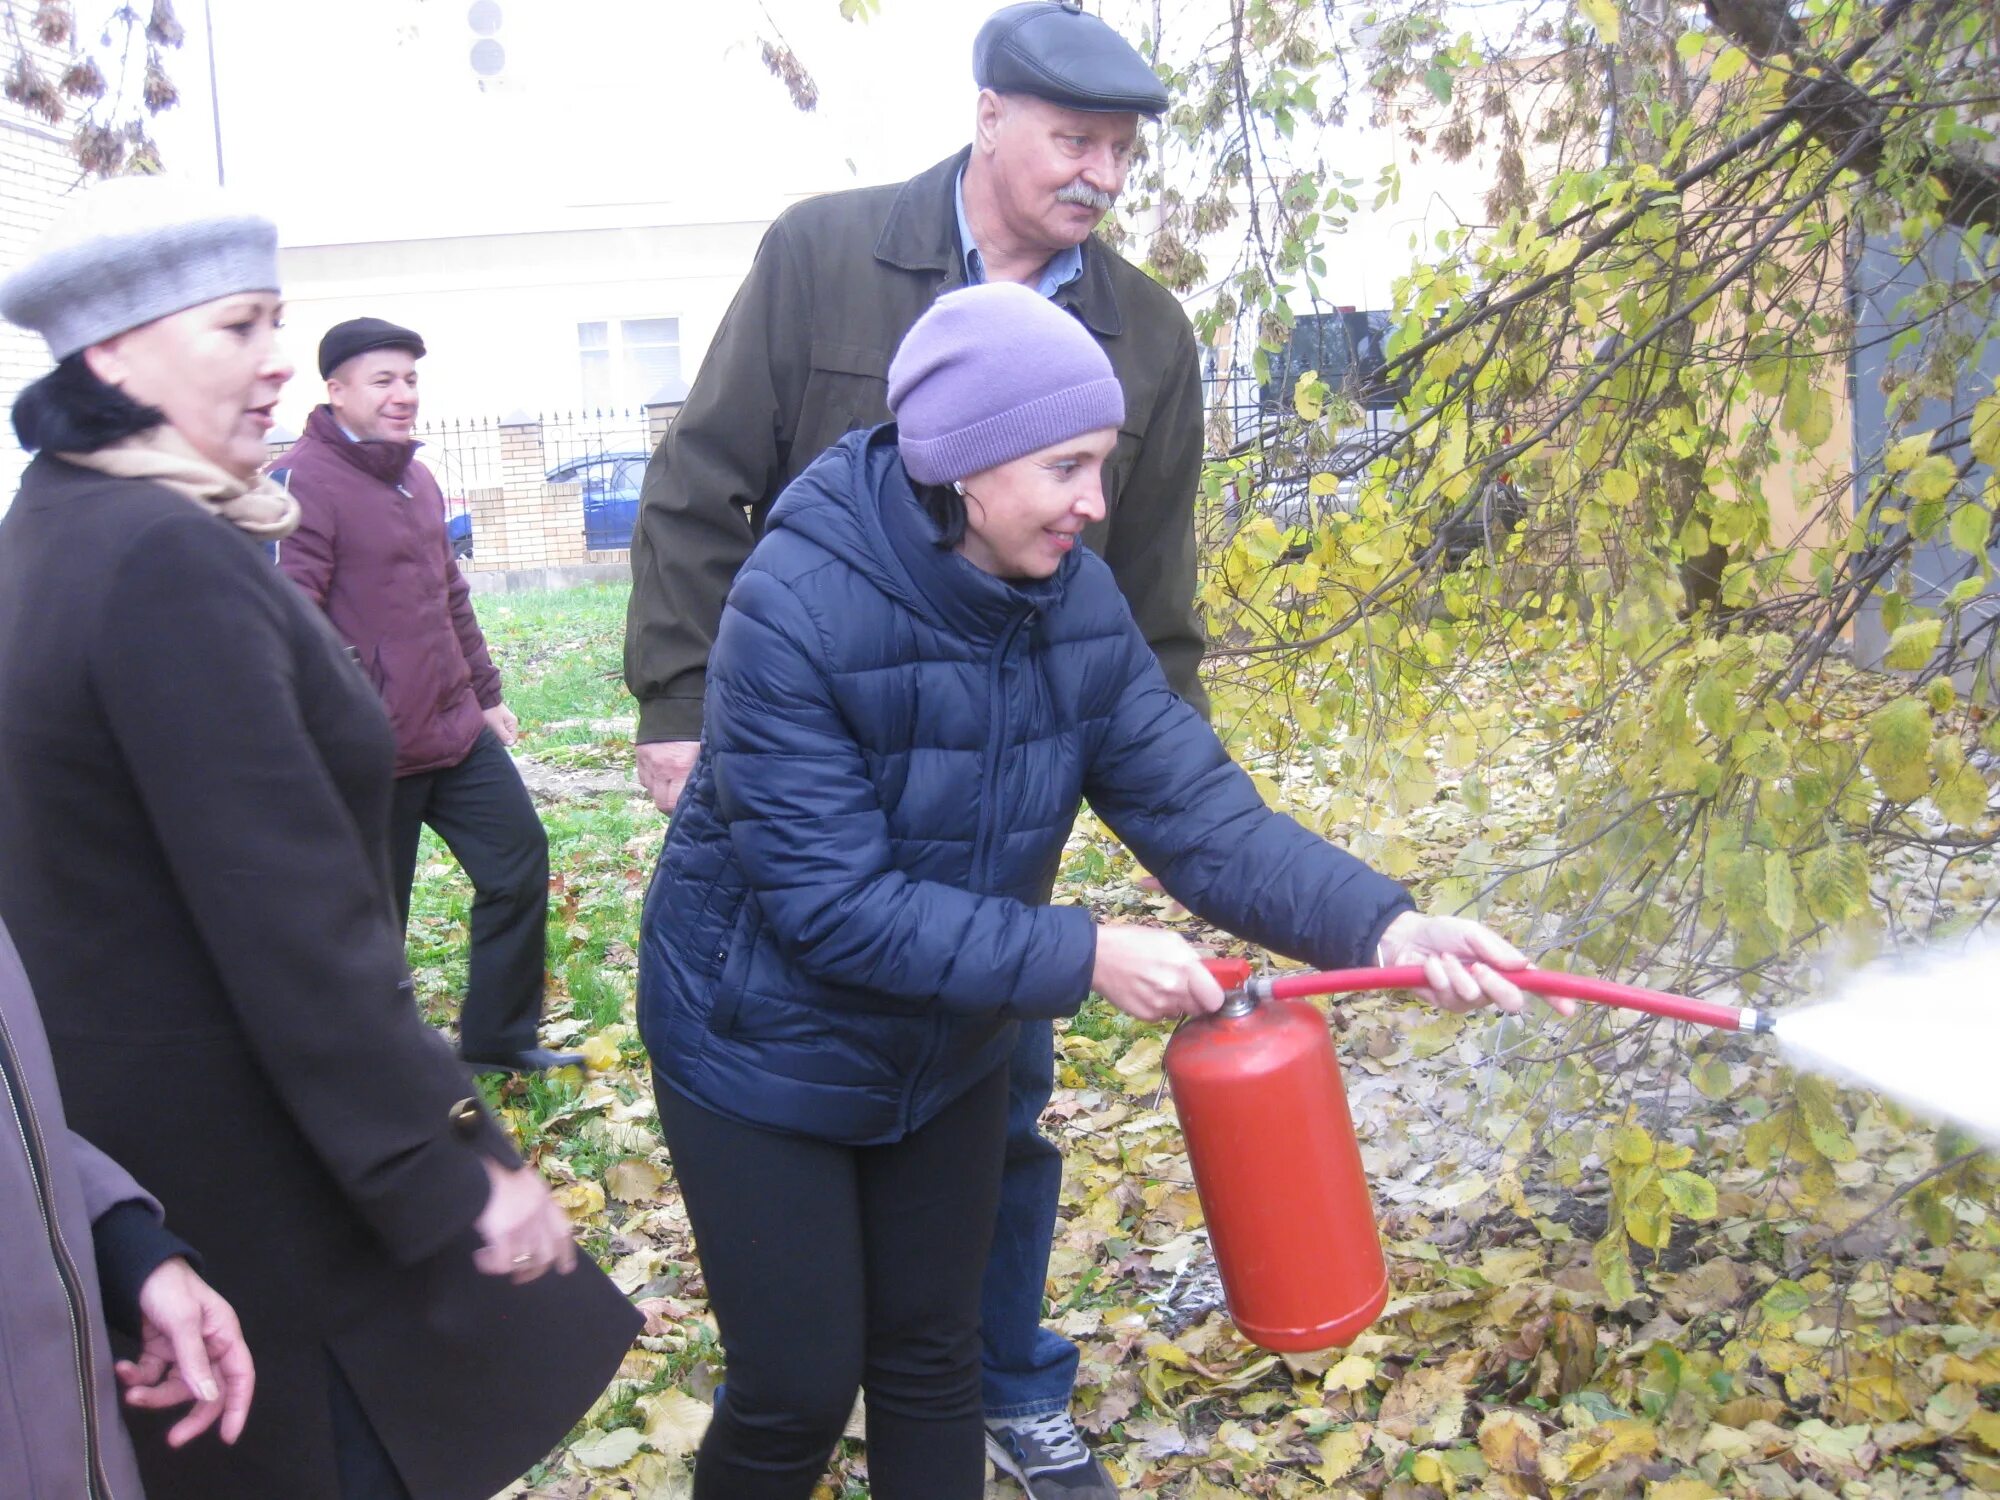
(561, 659)
(559, 655)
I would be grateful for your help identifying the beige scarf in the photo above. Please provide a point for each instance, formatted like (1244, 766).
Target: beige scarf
(162, 455)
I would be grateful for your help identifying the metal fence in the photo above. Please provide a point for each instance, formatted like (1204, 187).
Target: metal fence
(604, 453)
(464, 454)
(569, 438)
(1233, 403)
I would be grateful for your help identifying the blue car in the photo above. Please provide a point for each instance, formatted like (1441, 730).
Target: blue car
(610, 484)
(610, 496)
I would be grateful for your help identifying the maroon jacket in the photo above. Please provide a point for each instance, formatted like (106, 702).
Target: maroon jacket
(371, 551)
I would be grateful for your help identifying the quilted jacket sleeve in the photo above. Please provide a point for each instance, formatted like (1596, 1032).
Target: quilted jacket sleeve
(1162, 781)
(807, 827)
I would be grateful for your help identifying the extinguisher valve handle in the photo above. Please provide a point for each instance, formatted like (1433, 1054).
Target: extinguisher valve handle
(1246, 997)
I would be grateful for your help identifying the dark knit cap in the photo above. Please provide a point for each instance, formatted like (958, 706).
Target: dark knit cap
(359, 335)
(993, 373)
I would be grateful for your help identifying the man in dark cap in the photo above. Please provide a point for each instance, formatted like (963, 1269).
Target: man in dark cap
(372, 551)
(802, 358)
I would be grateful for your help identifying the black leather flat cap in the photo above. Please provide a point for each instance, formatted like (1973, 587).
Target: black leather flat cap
(1051, 49)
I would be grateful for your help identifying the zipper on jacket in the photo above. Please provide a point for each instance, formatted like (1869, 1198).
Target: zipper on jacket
(23, 1111)
(982, 837)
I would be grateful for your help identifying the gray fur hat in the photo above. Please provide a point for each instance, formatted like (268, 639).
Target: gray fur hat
(133, 249)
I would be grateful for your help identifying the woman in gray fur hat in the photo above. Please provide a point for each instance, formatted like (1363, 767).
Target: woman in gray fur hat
(194, 792)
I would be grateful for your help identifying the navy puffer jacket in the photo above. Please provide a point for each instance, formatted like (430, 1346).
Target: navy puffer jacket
(851, 909)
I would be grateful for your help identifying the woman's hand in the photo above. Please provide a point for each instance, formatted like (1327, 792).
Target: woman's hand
(191, 1349)
(525, 1232)
(1463, 962)
(1152, 974)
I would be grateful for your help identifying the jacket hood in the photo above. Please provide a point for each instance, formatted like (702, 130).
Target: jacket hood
(855, 501)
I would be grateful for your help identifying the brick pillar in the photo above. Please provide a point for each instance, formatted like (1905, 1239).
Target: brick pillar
(560, 522)
(488, 508)
(659, 417)
(541, 524)
(518, 543)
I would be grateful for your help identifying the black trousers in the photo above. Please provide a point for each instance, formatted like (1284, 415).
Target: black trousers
(486, 818)
(832, 1268)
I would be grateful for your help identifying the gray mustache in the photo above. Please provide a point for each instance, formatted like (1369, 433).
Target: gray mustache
(1085, 194)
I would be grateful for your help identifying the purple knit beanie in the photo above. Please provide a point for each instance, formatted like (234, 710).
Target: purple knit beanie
(993, 373)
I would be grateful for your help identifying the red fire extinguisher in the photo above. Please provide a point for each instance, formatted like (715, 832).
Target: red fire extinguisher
(1257, 1088)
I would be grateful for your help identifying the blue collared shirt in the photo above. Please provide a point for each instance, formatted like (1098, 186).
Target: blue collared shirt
(1063, 267)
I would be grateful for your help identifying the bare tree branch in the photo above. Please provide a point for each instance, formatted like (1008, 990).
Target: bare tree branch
(1846, 118)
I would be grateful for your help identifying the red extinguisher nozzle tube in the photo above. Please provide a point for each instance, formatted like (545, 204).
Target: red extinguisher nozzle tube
(1551, 983)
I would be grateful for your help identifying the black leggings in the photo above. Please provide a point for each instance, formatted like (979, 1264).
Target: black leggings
(834, 1267)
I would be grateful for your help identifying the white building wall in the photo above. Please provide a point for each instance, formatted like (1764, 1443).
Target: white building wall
(499, 313)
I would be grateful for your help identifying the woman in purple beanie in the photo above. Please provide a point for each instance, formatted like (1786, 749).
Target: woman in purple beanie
(920, 674)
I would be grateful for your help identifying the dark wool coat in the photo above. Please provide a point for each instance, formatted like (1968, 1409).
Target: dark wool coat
(850, 908)
(194, 805)
(802, 358)
(372, 551)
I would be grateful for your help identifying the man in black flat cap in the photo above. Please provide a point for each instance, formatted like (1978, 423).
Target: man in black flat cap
(801, 359)
(371, 550)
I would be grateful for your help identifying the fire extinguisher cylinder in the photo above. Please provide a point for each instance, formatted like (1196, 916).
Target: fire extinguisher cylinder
(1279, 1173)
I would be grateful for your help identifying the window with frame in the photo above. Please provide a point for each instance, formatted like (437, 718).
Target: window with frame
(627, 362)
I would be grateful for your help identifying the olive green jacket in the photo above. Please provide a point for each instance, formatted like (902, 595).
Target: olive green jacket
(802, 357)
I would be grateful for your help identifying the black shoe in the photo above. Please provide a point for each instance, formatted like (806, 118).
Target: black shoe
(527, 1060)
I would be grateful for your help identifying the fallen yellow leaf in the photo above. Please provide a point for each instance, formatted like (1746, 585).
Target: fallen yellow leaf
(1511, 1442)
(633, 1180)
(580, 1199)
(1426, 1407)
(1352, 1374)
(1681, 1489)
(1610, 1443)
(675, 1421)
(1340, 1454)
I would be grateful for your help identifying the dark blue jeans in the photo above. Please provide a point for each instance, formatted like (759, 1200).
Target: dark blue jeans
(1027, 1369)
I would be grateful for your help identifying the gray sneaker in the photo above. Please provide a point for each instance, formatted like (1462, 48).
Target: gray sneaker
(1047, 1458)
